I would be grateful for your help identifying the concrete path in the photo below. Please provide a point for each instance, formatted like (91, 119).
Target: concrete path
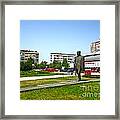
(71, 82)
(53, 76)
(43, 77)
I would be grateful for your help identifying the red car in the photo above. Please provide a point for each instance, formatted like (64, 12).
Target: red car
(51, 70)
(87, 72)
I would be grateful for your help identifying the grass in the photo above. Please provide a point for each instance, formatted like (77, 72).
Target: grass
(91, 76)
(37, 73)
(33, 83)
(82, 91)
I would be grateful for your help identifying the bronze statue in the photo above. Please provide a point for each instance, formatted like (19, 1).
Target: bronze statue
(77, 63)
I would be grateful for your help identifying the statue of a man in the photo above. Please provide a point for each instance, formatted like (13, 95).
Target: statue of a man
(78, 59)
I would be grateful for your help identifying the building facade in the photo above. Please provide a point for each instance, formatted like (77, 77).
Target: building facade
(92, 60)
(95, 46)
(26, 54)
(60, 56)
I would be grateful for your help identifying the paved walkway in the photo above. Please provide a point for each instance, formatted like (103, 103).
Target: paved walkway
(71, 82)
(43, 77)
(53, 76)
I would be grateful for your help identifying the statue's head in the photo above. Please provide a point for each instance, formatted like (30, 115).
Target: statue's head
(78, 53)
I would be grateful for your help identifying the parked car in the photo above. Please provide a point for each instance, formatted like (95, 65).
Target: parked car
(51, 69)
(63, 70)
(67, 70)
(70, 70)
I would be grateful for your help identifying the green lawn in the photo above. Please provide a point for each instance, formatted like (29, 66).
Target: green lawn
(37, 73)
(33, 83)
(82, 91)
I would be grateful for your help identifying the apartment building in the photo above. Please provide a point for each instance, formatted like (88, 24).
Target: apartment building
(26, 54)
(95, 46)
(61, 56)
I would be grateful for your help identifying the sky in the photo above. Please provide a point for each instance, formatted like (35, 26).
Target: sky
(62, 36)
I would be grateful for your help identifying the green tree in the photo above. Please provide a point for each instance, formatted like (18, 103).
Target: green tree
(30, 60)
(28, 64)
(36, 65)
(22, 65)
(57, 64)
(65, 63)
(43, 64)
(51, 65)
(25, 66)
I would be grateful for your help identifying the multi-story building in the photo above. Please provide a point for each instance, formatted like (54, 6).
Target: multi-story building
(92, 60)
(61, 56)
(95, 46)
(26, 54)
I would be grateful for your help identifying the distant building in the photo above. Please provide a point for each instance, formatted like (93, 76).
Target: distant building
(61, 56)
(92, 61)
(95, 46)
(26, 54)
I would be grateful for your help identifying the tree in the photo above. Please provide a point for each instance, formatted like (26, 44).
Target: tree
(25, 66)
(30, 60)
(28, 64)
(22, 65)
(65, 63)
(36, 65)
(43, 64)
(51, 65)
(56, 64)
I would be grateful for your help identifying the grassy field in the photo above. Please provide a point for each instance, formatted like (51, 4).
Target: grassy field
(33, 83)
(82, 91)
(37, 73)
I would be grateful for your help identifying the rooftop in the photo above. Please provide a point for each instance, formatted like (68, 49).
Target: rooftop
(63, 53)
(27, 51)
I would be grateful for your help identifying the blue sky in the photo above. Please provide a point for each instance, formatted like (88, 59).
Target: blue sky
(66, 36)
